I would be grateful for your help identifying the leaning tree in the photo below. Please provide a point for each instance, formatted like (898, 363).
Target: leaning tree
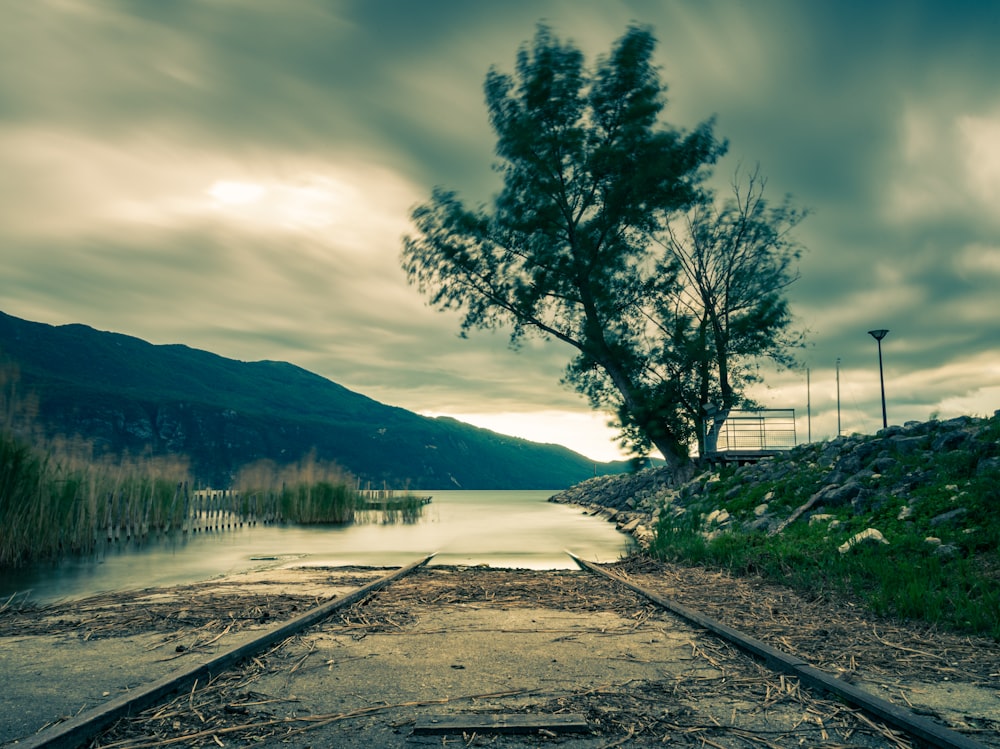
(581, 244)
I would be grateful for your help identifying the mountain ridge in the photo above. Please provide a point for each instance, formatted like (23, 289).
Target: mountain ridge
(128, 395)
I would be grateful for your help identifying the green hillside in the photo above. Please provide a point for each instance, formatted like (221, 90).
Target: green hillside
(125, 394)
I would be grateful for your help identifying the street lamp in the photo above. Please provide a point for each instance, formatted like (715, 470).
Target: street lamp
(878, 335)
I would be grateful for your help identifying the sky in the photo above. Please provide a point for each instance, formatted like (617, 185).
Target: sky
(237, 175)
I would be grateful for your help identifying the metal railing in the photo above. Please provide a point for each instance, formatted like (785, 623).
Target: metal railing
(768, 429)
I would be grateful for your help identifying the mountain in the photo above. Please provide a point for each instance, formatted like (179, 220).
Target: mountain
(125, 394)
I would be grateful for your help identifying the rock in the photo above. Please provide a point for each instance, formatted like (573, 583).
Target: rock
(837, 496)
(950, 441)
(884, 464)
(849, 464)
(946, 551)
(835, 478)
(908, 445)
(643, 535)
(763, 524)
(987, 465)
(867, 536)
(859, 474)
(631, 525)
(867, 502)
(717, 516)
(948, 517)
(959, 422)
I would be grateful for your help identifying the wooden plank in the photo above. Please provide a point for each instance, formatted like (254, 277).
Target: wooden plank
(502, 723)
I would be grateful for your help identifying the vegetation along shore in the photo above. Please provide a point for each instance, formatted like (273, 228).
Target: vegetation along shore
(905, 523)
(58, 500)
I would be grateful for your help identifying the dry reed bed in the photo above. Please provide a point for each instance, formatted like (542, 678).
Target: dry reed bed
(228, 710)
(213, 607)
(835, 637)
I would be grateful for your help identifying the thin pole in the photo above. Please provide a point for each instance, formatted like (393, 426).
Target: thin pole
(838, 396)
(809, 418)
(881, 380)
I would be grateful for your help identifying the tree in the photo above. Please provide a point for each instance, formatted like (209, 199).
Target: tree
(578, 246)
(736, 260)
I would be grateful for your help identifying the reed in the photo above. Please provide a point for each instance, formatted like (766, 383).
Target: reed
(392, 509)
(309, 491)
(57, 500)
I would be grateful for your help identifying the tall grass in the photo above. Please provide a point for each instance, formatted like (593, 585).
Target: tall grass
(902, 580)
(56, 500)
(310, 491)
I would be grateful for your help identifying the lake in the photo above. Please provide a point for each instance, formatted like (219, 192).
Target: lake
(517, 529)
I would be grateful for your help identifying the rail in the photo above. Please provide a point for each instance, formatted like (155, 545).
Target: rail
(779, 660)
(748, 436)
(77, 731)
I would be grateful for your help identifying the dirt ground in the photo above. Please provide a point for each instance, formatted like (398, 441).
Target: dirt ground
(478, 644)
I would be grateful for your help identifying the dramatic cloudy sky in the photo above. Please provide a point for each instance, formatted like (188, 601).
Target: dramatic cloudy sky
(235, 175)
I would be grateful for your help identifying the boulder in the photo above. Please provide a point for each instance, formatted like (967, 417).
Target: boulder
(951, 441)
(948, 517)
(837, 496)
(908, 445)
(718, 517)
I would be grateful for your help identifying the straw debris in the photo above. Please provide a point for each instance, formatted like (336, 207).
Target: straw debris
(721, 698)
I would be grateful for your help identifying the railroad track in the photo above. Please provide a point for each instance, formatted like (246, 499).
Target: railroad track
(468, 606)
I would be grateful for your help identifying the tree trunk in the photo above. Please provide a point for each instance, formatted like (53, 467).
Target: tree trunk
(674, 451)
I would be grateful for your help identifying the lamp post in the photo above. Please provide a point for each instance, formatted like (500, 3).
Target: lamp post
(878, 335)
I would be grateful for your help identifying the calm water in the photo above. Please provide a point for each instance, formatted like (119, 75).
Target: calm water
(499, 528)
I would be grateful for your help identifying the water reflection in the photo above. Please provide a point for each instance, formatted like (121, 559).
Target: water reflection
(498, 528)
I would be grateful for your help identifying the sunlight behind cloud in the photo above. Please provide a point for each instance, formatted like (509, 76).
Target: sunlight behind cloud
(305, 202)
(228, 192)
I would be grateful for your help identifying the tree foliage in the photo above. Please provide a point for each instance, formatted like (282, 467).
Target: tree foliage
(583, 243)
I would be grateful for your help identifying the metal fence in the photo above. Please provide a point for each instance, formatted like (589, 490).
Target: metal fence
(765, 430)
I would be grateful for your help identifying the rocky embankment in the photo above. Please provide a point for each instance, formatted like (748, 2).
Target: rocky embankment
(938, 478)
(630, 500)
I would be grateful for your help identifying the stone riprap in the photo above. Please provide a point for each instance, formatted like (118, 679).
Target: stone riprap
(857, 476)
